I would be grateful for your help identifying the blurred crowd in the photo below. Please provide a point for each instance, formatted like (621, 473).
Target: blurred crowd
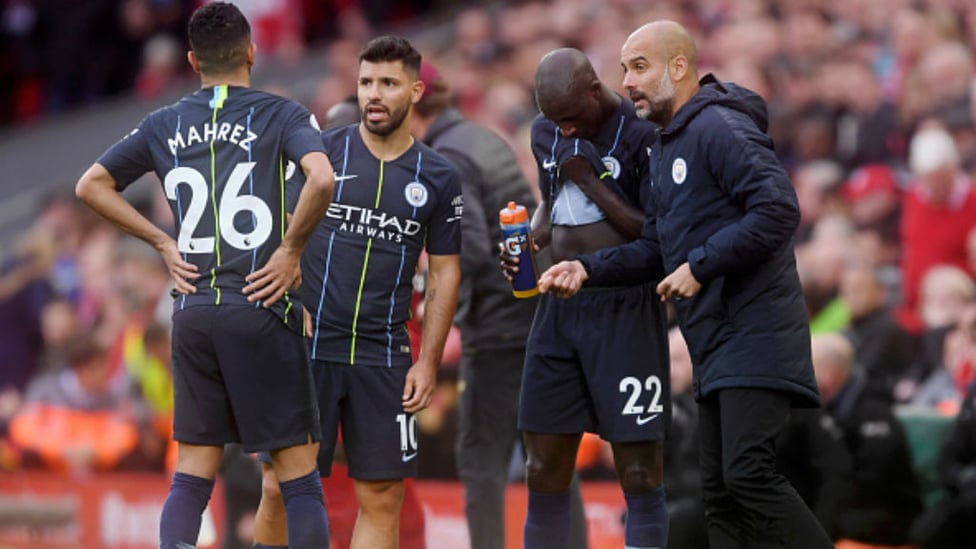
(58, 55)
(872, 107)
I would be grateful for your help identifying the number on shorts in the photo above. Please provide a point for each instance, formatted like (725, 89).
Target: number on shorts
(408, 432)
(231, 203)
(633, 385)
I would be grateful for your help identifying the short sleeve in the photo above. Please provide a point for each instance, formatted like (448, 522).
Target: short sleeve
(130, 158)
(444, 229)
(302, 134)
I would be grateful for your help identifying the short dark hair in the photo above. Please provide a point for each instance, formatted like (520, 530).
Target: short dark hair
(219, 37)
(392, 48)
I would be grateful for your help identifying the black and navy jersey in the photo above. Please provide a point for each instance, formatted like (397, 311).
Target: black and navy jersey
(357, 268)
(621, 147)
(221, 154)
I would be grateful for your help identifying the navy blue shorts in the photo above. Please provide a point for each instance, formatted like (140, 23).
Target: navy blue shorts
(598, 362)
(379, 438)
(240, 375)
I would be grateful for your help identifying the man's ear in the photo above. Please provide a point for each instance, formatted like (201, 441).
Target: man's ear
(252, 51)
(596, 88)
(417, 93)
(192, 59)
(678, 67)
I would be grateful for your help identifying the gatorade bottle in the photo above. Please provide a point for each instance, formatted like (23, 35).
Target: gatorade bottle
(515, 231)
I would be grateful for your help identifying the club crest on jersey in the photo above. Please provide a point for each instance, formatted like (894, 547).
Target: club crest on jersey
(613, 166)
(679, 171)
(416, 194)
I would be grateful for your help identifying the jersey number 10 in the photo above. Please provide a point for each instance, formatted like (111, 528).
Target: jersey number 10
(231, 203)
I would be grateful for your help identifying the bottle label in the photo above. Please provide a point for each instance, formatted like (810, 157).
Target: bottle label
(525, 282)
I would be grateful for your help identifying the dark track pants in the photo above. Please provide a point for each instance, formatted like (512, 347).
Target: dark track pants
(748, 503)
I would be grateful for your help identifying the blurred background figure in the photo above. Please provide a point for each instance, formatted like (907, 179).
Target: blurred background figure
(949, 524)
(682, 475)
(938, 213)
(75, 420)
(884, 492)
(882, 348)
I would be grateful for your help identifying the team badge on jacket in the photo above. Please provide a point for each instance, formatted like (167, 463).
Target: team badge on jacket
(679, 171)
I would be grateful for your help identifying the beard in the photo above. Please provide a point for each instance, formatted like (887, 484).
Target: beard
(660, 104)
(388, 126)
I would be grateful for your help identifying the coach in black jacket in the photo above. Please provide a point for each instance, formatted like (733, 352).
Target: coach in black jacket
(721, 217)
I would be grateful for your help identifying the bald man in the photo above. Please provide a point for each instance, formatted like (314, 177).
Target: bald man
(884, 496)
(596, 362)
(721, 214)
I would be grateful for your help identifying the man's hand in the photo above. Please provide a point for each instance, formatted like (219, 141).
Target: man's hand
(419, 388)
(564, 279)
(181, 271)
(679, 284)
(269, 283)
(510, 263)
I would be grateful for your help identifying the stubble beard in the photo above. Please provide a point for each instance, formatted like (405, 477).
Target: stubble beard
(387, 127)
(661, 104)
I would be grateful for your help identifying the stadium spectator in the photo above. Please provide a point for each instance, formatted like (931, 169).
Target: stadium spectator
(881, 346)
(25, 290)
(946, 291)
(75, 419)
(949, 523)
(885, 497)
(938, 212)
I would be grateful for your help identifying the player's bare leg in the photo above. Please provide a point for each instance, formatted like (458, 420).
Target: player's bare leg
(549, 470)
(378, 523)
(291, 500)
(270, 526)
(640, 470)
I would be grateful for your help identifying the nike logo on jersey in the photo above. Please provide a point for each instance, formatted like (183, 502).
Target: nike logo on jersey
(339, 178)
(548, 164)
(407, 457)
(643, 420)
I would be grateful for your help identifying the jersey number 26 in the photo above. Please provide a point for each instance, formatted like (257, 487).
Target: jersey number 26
(231, 203)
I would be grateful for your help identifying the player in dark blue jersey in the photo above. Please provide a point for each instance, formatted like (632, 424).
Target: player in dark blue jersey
(240, 367)
(597, 362)
(394, 198)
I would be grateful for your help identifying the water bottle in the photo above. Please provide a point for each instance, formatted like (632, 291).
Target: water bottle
(514, 220)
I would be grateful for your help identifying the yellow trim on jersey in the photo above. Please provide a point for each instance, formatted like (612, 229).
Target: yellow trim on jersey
(220, 95)
(282, 169)
(362, 276)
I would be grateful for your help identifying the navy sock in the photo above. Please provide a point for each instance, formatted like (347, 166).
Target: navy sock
(647, 520)
(263, 546)
(547, 521)
(179, 524)
(308, 526)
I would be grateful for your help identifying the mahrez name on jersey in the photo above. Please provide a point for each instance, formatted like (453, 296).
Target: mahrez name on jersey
(224, 131)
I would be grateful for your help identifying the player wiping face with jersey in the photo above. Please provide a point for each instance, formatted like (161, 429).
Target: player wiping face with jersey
(596, 362)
